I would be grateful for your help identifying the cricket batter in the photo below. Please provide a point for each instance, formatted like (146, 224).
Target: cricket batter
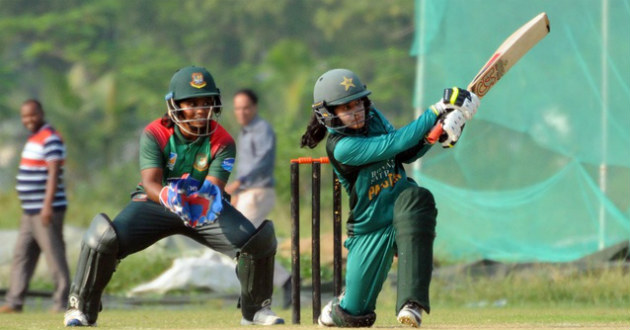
(389, 213)
(186, 158)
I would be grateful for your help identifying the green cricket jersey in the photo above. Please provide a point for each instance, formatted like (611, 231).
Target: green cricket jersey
(370, 166)
(166, 148)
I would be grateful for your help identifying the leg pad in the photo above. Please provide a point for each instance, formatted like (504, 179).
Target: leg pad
(255, 269)
(97, 263)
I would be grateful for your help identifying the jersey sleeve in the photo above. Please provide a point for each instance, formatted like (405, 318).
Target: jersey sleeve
(222, 151)
(223, 162)
(151, 155)
(357, 150)
(414, 153)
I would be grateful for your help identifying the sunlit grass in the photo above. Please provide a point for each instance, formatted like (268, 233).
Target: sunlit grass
(209, 316)
(541, 284)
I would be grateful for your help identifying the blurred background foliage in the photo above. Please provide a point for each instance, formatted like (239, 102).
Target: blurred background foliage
(101, 69)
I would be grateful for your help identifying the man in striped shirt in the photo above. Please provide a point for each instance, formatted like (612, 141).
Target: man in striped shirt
(41, 191)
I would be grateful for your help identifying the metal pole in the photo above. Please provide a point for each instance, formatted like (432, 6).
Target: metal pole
(604, 127)
(317, 298)
(295, 241)
(420, 63)
(336, 235)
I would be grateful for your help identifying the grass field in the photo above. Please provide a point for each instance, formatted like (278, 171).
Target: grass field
(442, 317)
(555, 298)
(538, 297)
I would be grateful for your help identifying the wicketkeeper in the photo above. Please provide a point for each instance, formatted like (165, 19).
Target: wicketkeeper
(186, 158)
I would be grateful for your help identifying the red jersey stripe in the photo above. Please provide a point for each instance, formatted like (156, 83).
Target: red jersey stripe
(160, 132)
(219, 139)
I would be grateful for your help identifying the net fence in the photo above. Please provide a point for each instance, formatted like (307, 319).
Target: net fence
(542, 172)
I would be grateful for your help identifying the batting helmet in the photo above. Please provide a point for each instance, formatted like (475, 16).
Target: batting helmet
(336, 87)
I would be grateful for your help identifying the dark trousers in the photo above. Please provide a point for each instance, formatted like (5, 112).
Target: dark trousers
(142, 223)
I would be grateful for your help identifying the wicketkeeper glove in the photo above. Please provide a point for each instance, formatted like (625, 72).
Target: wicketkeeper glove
(195, 205)
(171, 196)
(203, 206)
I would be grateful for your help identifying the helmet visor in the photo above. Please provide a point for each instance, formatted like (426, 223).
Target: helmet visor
(355, 118)
(196, 121)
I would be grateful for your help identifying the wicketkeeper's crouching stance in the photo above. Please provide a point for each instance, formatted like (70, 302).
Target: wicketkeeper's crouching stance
(185, 160)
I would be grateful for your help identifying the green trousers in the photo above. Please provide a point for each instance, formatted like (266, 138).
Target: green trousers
(370, 255)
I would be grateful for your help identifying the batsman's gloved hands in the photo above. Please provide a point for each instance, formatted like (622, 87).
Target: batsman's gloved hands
(196, 204)
(452, 127)
(457, 99)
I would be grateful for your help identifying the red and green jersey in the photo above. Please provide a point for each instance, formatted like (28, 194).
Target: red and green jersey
(166, 148)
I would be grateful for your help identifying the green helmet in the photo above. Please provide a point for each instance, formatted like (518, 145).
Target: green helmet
(192, 82)
(336, 87)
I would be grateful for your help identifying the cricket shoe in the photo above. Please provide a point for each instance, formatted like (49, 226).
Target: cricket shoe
(264, 316)
(325, 318)
(410, 314)
(76, 318)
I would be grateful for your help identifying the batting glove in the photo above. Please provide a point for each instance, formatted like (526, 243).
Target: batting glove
(453, 126)
(457, 98)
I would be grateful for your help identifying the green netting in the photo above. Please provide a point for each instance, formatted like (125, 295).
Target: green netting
(525, 182)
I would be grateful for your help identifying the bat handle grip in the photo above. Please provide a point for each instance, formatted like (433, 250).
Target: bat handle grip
(434, 134)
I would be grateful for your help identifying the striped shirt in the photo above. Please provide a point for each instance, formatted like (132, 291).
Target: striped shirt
(41, 147)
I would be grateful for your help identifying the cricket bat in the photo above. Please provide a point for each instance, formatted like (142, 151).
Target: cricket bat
(510, 51)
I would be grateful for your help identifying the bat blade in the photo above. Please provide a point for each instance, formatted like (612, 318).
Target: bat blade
(508, 53)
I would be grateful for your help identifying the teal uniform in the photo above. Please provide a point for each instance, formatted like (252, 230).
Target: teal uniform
(389, 213)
